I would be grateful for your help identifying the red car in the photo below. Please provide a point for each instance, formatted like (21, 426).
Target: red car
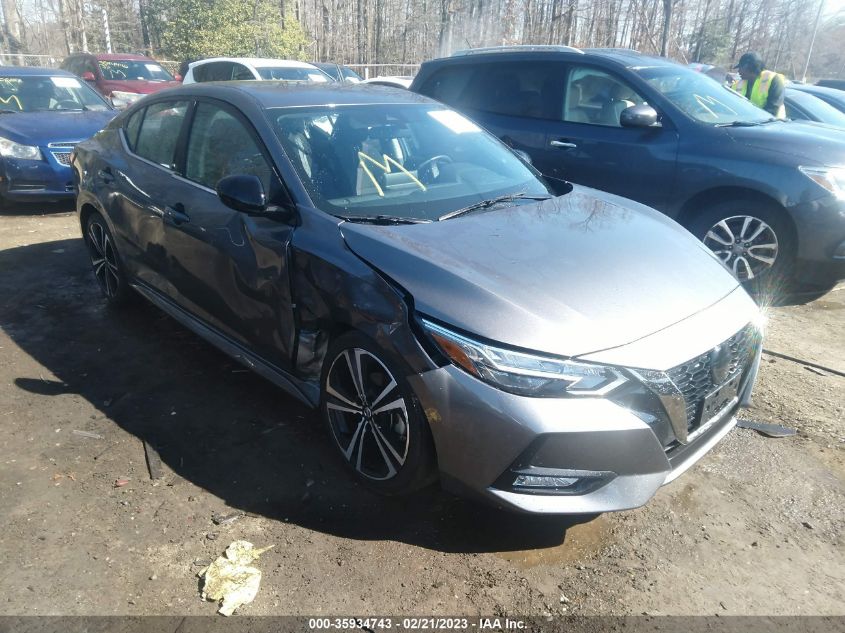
(121, 78)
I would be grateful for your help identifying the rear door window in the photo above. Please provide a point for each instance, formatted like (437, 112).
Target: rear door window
(159, 133)
(529, 90)
(448, 85)
(241, 72)
(214, 71)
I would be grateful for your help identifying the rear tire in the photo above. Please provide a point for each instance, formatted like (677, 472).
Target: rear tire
(754, 241)
(105, 261)
(374, 418)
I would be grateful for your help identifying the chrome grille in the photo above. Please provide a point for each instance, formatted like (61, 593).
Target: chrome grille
(63, 158)
(694, 379)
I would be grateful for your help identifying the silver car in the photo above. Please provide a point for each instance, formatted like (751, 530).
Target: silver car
(543, 346)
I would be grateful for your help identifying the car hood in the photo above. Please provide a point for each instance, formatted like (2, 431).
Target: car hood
(41, 128)
(572, 275)
(139, 86)
(811, 143)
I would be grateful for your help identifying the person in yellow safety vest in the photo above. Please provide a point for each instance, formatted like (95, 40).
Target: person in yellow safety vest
(764, 88)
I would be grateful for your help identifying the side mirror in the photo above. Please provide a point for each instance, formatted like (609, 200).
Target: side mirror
(242, 193)
(178, 77)
(523, 156)
(642, 115)
(88, 76)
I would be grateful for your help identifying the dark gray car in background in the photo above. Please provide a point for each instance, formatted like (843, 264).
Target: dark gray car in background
(545, 347)
(767, 196)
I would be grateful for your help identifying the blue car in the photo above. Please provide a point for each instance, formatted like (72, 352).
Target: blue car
(44, 113)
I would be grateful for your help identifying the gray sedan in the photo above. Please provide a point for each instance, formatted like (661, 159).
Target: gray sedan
(451, 313)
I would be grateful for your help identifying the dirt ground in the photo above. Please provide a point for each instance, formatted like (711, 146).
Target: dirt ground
(755, 528)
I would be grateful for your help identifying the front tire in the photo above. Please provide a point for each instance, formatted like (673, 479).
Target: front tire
(752, 239)
(374, 418)
(105, 261)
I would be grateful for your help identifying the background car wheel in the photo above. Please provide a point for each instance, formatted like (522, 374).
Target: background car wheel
(374, 418)
(105, 261)
(752, 239)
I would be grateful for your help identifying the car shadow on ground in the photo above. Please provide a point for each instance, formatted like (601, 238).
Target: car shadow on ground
(214, 423)
(36, 208)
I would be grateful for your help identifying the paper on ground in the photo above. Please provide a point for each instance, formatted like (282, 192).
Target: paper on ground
(231, 579)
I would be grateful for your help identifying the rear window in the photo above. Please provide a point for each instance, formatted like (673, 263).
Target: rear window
(531, 90)
(129, 70)
(214, 71)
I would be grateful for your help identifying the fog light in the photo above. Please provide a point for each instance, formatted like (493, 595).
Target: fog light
(543, 481)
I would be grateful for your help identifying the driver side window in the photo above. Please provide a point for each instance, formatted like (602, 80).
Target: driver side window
(220, 145)
(795, 114)
(595, 97)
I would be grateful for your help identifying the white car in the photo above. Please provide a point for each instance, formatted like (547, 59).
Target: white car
(248, 68)
(392, 81)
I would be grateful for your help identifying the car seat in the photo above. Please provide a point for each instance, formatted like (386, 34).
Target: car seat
(620, 99)
(573, 112)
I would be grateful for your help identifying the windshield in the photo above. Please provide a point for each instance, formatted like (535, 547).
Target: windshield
(403, 160)
(127, 70)
(34, 94)
(293, 74)
(818, 109)
(701, 97)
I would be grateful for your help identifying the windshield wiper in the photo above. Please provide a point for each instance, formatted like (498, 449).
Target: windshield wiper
(382, 219)
(486, 204)
(9, 111)
(746, 123)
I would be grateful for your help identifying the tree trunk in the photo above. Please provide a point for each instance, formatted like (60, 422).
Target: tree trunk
(667, 23)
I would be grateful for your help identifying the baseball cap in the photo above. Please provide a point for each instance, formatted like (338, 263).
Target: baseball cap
(750, 60)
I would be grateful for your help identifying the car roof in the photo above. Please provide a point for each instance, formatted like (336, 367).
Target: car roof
(257, 62)
(33, 71)
(278, 94)
(630, 58)
(793, 93)
(625, 57)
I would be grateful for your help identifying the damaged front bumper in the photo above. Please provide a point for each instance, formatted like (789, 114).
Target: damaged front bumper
(486, 439)
(578, 455)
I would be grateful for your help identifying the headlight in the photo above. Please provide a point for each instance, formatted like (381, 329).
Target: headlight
(521, 373)
(831, 178)
(121, 99)
(16, 150)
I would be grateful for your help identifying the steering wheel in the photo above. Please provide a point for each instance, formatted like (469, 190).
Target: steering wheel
(426, 169)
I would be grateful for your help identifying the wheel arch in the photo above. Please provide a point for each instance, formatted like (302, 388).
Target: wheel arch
(710, 197)
(86, 210)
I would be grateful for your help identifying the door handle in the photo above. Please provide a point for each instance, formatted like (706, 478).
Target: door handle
(175, 215)
(563, 144)
(106, 176)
